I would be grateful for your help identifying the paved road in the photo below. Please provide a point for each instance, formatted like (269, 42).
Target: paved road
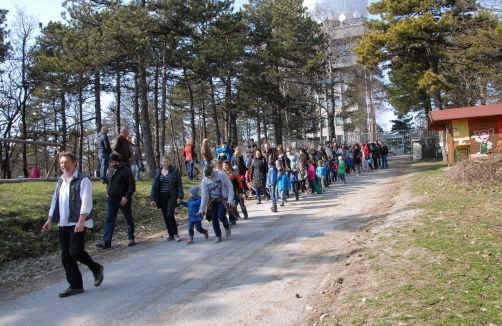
(251, 278)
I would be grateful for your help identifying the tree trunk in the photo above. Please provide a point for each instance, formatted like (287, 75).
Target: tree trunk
(215, 113)
(157, 120)
(81, 126)
(63, 120)
(192, 106)
(145, 119)
(164, 102)
(118, 95)
(258, 127)
(136, 106)
(97, 100)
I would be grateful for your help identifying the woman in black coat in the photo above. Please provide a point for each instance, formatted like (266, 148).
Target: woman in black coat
(167, 193)
(258, 175)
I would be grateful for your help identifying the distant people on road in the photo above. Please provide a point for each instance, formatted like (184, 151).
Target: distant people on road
(190, 157)
(250, 152)
(194, 219)
(119, 191)
(71, 206)
(136, 158)
(384, 151)
(35, 173)
(167, 193)
(205, 151)
(122, 147)
(356, 159)
(104, 151)
(218, 188)
(258, 175)
(223, 152)
(238, 160)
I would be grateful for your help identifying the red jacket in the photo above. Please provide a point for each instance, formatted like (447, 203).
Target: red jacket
(188, 153)
(366, 151)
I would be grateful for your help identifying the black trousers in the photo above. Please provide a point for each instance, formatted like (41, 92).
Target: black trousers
(73, 251)
(167, 207)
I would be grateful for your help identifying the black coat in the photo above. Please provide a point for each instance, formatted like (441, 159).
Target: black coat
(175, 182)
(258, 172)
(120, 183)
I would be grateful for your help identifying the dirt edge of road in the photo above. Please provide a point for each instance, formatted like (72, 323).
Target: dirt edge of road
(353, 273)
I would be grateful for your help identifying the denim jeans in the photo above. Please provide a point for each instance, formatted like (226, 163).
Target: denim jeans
(282, 195)
(272, 190)
(219, 213)
(240, 201)
(295, 185)
(385, 165)
(73, 251)
(198, 227)
(206, 162)
(135, 168)
(342, 177)
(112, 208)
(190, 169)
(104, 161)
(259, 191)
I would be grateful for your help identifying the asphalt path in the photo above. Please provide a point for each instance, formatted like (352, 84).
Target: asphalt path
(263, 274)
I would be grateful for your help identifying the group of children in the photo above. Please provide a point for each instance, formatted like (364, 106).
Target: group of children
(280, 180)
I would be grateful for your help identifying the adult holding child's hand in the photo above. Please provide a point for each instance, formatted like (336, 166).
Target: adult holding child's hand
(167, 193)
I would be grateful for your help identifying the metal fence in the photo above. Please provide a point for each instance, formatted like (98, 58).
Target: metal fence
(400, 143)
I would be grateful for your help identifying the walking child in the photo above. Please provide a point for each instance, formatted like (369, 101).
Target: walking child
(311, 175)
(341, 169)
(295, 183)
(194, 220)
(283, 184)
(272, 184)
(348, 163)
(302, 178)
(320, 174)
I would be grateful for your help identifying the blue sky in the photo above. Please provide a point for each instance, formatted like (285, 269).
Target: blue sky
(47, 10)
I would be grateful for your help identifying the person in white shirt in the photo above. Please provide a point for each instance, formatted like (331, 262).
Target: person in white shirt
(70, 208)
(217, 186)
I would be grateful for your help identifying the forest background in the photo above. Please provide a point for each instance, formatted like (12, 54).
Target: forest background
(200, 69)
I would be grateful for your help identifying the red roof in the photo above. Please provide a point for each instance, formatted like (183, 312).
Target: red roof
(464, 113)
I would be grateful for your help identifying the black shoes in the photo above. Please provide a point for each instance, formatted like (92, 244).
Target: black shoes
(98, 277)
(103, 245)
(131, 243)
(70, 291)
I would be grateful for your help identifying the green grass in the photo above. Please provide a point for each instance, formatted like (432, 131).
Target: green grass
(447, 270)
(24, 208)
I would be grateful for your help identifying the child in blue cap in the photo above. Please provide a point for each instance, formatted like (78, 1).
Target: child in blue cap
(194, 220)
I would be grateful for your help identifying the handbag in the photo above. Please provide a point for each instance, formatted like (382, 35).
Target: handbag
(370, 160)
(142, 167)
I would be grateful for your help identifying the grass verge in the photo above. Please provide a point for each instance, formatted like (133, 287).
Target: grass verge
(24, 208)
(441, 268)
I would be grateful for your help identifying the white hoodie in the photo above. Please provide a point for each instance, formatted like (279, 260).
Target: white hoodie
(218, 187)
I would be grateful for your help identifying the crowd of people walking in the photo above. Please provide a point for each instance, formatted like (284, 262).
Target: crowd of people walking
(232, 176)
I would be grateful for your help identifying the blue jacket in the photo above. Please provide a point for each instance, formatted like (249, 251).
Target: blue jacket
(225, 149)
(272, 176)
(283, 182)
(293, 175)
(193, 205)
(320, 171)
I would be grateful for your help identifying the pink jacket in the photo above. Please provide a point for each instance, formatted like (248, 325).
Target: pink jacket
(311, 172)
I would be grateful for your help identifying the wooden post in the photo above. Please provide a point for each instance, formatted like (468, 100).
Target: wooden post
(451, 147)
